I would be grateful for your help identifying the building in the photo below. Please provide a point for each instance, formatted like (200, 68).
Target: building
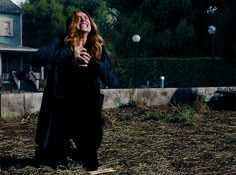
(15, 70)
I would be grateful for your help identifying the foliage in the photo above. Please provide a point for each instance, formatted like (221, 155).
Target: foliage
(106, 19)
(172, 28)
(185, 72)
(184, 115)
(42, 20)
(184, 36)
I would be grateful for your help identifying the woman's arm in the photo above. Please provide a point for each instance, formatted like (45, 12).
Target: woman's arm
(106, 74)
(54, 52)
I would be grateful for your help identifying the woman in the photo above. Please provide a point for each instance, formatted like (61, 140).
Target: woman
(71, 105)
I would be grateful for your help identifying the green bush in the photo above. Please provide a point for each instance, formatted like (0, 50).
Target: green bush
(185, 116)
(178, 72)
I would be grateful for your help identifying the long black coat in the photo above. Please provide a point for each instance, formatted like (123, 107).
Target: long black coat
(71, 98)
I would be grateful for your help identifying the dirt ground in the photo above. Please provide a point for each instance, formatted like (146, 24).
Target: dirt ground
(136, 142)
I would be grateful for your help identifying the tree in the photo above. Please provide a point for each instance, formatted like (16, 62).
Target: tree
(45, 18)
(106, 19)
(185, 38)
(42, 20)
(167, 27)
(125, 7)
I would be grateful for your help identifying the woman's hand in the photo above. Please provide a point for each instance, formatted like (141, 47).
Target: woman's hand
(81, 57)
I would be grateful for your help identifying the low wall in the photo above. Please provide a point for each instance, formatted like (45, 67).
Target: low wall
(19, 104)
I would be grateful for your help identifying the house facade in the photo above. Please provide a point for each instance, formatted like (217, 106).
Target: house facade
(15, 69)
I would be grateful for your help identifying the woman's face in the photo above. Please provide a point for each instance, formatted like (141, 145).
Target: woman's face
(82, 22)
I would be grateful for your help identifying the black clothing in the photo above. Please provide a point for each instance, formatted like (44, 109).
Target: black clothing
(71, 105)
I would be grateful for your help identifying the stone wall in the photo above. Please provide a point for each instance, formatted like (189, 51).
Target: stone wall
(19, 104)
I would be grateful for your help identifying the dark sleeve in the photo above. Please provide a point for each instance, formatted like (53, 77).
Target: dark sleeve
(54, 52)
(106, 74)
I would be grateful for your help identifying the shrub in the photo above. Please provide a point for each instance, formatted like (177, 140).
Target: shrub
(185, 116)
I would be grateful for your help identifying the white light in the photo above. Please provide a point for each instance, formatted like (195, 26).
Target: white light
(162, 82)
(214, 9)
(162, 77)
(211, 10)
(211, 30)
(136, 38)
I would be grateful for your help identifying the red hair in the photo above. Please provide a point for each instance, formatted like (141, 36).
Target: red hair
(94, 41)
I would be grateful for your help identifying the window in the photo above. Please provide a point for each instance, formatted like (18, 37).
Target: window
(6, 27)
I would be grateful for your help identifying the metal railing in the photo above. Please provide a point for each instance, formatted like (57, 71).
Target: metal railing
(17, 82)
(33, 78)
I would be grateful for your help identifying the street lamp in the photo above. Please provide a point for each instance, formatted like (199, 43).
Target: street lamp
(136, 39)
(212, 31)
(211, 11)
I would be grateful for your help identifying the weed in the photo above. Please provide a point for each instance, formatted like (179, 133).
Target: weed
(154, 116)
(201, 105)
(184, 115)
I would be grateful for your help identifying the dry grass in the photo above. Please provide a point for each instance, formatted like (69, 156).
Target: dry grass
(137, 141)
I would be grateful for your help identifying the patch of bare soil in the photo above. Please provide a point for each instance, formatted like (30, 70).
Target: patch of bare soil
(136, 142)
